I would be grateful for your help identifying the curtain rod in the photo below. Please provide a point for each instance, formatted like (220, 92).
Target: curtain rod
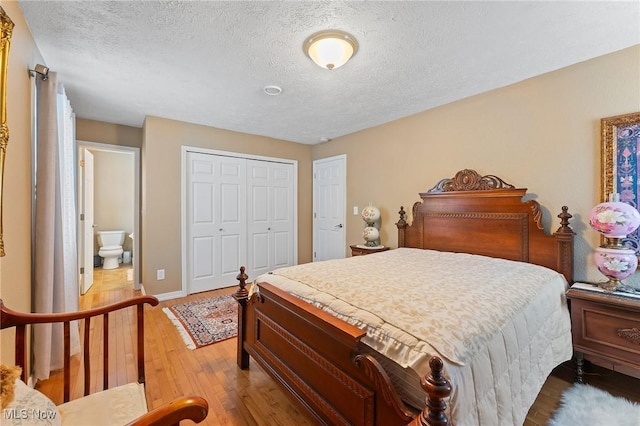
(40, 69)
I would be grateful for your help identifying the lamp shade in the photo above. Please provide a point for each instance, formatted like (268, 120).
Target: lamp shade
(330, 49)
(614, 219)
(370, 214)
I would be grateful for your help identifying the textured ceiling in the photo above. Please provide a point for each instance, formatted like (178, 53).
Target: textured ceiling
(207, 62)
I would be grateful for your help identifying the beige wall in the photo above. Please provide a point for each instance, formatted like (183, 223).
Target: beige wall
(15, 267)
(114, 134)
(113, 193)
(542, 134)
(161, 190)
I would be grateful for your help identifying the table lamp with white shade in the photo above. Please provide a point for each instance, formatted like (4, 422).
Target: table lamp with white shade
(371, 234)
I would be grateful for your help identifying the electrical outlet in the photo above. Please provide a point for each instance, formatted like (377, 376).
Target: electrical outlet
(160, 274)
(355, 210)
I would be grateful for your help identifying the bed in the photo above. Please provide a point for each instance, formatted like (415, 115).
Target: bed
(304, 326)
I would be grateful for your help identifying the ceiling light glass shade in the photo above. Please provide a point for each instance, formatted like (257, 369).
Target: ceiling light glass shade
(330, 49)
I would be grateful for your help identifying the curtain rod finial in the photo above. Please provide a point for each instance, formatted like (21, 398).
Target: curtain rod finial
(40, 69)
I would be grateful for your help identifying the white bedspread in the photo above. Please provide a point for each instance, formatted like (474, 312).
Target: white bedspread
(500, 326)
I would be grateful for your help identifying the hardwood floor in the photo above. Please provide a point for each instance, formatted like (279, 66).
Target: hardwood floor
(245, 397)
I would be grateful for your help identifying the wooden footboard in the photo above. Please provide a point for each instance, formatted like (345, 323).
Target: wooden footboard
(313, 355)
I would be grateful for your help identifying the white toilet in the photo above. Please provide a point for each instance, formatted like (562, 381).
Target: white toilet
(110, 248)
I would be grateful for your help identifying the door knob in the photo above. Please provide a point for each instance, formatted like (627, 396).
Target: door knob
(339, 225)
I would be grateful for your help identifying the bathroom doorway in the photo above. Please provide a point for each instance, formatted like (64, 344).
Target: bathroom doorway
(112, 192)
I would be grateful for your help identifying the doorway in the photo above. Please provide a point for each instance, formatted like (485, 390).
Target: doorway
(114, 188)
(329, 208)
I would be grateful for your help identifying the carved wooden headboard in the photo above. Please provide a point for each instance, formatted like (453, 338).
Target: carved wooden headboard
(484, 215)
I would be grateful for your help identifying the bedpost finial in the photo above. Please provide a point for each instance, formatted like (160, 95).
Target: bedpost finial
(565, 228)
(242, 291)
(438, 388)
(436, 365)
(403, 218)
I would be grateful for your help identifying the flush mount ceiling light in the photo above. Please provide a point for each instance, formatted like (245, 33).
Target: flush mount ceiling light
(330, 49)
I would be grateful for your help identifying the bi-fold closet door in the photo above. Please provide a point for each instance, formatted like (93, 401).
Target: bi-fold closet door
(239, 211)
(270, 216)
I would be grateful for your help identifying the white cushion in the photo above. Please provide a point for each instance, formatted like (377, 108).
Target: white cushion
(115, 406)
(30, 407)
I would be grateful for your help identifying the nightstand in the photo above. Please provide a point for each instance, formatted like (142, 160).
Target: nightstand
(605, 328)
(361, 250)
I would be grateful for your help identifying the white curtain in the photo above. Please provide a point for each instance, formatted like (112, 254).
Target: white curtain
(55, 287)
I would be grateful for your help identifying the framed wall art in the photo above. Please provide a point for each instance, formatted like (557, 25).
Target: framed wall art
(620, 139)
(6, 29)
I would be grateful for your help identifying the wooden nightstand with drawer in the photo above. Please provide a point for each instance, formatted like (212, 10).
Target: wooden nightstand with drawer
(606, 330)
(360, 250)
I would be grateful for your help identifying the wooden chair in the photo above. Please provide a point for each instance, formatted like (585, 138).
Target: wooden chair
(189, 407)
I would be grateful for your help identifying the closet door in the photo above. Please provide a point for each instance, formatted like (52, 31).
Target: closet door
(270, 211)
(216, 220)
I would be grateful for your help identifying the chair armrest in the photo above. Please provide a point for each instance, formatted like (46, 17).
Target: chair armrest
(192, 408)
(11, 318)
(21, 321)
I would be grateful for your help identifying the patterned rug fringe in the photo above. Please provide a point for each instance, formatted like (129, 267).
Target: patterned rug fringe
(186, 337)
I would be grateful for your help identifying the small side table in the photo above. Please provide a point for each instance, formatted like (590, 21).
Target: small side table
(361, 250)
(605, 328)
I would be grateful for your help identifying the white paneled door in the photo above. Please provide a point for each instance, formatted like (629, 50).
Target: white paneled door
(329, 208)
(270, 215)
(216, 220)
(239, 212)
(86, 234)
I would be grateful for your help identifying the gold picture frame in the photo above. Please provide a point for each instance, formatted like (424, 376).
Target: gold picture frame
(620, 147)
(6, 30)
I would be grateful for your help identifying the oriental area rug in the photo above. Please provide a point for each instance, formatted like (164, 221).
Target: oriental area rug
(204, 322)
(587, 405)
